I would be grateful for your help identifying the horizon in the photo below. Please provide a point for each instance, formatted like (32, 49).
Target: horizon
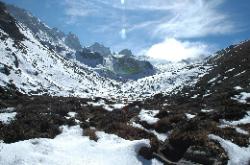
(164, 30)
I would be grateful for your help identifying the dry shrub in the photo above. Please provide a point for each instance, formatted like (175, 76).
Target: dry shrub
(91, 133)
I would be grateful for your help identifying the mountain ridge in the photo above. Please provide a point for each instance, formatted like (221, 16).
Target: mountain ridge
(69, 46)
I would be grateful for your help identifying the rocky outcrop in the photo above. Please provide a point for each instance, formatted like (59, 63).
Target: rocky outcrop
(126, 52)
(89, 58)
(99, 48)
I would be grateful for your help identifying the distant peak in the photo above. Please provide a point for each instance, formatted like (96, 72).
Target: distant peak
(99, 48)
(126, 52)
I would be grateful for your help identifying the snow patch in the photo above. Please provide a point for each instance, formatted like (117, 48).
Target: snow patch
(213, 79)
(189, 116)
(245, 120)
(238, 88)
(241, 131)
(236, 154)
(207, 110)
(148, 116)
(75, 149)
(242, 98)
(240, 73)
(160, 136)
(72, 114)
(7, 115)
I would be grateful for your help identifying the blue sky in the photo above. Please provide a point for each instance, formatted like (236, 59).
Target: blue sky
(167, 29)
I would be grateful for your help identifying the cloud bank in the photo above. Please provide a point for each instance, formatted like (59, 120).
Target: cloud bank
(174, 50)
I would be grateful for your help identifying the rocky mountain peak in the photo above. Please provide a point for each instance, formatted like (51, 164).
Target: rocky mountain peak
(126, 52)
(99, 48)
(72, 41)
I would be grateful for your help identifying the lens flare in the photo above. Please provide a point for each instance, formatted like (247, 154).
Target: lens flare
(123, 33)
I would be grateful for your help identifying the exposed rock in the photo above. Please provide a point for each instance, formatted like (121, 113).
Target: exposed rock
(126, 52)
(99, 48)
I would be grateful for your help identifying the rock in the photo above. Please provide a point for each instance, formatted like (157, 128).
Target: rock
(202, 155)
(146, 153)
(126, 52)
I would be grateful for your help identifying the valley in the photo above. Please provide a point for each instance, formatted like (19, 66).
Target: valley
(63, 103)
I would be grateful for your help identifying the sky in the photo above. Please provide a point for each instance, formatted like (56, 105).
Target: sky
(165, 29)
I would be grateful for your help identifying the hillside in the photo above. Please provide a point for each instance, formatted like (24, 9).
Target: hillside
(65, 110)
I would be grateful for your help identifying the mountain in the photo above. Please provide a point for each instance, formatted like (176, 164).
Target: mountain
(101, 49)
(73, 42)
(61, 111)
(50, 37)
(68, 45)
(92, 59)
(32, 67)
(126, 52)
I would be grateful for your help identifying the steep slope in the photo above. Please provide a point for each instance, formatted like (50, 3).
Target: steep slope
(210, 120)
(99, 48)
(171, 78)
(35, 69)
(63, 44)
(68, 45)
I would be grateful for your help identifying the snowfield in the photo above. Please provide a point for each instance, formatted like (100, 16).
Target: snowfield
(35, 69)
(71, 148)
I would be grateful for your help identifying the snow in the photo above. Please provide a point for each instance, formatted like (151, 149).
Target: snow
(7, 115)
(236, 154)
(194, 96)
(97, 104)
(238, 88)
(166, 80)
(71, 148)
(49, 73)
(108, 107)
(148, 116)
(242, 97)
(213, 79)
(189, 116)
(240, 73)
(72, 114)
(207, 110)
(245, 120)
(118, 105)
(6, 118)
(241, 131)
(160, 136)
(230, 70)
(56, 75)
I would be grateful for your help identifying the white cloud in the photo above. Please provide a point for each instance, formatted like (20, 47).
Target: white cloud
(197, 19)
(178, 18)
(173, 50)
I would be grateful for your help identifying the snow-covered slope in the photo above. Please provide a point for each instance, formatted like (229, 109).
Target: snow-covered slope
(169, 77)
(74, 149)
(35, 69)
(54, 39)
